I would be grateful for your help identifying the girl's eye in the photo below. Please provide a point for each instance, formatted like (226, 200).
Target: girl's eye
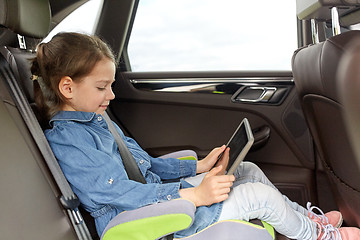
(101, 88)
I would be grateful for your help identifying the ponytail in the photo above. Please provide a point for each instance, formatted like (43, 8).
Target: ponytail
(44, 95)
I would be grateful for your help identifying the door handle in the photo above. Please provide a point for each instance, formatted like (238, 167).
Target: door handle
(261, 137)
(256, 94)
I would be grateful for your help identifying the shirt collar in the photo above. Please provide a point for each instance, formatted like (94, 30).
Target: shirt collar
(73, 116)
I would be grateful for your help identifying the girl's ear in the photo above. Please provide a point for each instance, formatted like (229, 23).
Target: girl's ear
(65, 87)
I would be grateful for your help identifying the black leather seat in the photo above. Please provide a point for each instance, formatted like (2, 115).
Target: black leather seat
(314, 69)
(349, 86)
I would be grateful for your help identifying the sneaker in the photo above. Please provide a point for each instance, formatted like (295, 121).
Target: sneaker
(349, 233)
(334, 217)
(329, 232)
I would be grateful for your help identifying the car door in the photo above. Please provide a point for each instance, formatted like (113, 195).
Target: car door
(166, 109)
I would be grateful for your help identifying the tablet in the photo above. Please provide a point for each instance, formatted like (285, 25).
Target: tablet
(239, 144)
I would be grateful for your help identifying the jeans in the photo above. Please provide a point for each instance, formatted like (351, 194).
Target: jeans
(253, 196)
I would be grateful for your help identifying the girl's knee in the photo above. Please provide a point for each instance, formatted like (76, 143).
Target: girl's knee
(252, 169)
(251, 166)
(250, 172)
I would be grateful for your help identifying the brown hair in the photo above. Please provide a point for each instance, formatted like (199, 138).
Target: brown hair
(67, 54)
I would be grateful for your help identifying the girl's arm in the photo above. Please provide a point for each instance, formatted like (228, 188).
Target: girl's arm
(173, 168)
(169, 168)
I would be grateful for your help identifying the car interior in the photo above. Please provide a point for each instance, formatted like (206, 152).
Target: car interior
(304, 122)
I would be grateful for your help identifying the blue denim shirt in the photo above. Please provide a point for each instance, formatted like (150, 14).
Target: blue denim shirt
(88, 155)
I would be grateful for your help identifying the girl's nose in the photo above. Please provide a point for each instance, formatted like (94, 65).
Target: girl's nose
(110, 95)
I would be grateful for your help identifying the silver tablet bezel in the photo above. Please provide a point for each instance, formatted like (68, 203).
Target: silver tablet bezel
(245, 149)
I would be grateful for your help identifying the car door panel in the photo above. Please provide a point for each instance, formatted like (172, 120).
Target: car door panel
(163, 115)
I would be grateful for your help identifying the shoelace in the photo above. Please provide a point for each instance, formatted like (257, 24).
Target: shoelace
(323, 219)
(329, 232)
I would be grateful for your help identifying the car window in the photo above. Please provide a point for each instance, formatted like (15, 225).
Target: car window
(83, 19)
(211, 35)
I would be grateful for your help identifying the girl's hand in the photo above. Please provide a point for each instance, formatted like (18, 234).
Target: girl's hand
(209, 161)
(224, 161)
(212, 189)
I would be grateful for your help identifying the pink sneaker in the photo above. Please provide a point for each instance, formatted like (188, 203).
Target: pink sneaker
(349, 233)
(329, 232)
(334, 217)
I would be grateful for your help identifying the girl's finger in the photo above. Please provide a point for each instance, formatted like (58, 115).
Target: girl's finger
(214, 171)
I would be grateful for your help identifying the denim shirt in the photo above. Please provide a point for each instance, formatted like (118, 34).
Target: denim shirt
(88, 155)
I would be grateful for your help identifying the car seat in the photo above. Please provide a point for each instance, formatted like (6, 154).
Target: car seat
(314, 70)
(348, 78)
(150, 222)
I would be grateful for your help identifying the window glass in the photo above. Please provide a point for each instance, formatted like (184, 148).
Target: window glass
(187, 35)
(83, 20)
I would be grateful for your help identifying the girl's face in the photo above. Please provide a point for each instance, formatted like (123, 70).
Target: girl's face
(93, 92)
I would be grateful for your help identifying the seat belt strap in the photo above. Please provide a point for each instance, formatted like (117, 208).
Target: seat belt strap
(68, 199)
(131, 167)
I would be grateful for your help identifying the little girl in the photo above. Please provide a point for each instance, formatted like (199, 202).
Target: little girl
(74, 75)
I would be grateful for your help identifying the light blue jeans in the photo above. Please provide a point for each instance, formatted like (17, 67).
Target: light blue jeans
(253, 196)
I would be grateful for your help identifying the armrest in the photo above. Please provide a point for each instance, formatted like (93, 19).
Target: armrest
(151, 222)
(182, 155)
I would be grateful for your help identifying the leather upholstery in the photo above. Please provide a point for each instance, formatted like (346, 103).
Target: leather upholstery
(26, 17)
(314, 70)
(349, 87)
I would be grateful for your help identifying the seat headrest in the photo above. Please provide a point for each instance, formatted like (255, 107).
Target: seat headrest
(30, 18)
(314, 66)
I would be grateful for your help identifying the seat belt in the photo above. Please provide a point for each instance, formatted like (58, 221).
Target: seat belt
(131, 168)
(68, 199)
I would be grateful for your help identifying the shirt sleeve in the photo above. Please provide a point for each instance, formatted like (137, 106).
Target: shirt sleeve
(99, 175)
(171, 168)
(165, 168)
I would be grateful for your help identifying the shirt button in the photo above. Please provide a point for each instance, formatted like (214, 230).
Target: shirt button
(99, 118)
(110, 181)
(141, 161)
(168, 197)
